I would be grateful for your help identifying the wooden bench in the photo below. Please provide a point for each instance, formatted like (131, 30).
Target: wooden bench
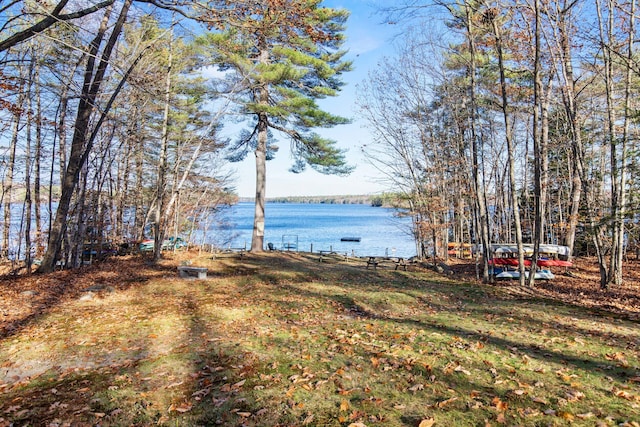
(372, 261)
(186, 271)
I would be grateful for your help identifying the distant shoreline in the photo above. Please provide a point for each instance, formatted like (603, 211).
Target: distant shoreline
(339, 200)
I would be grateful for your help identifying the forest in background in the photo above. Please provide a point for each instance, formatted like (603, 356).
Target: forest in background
(513, 122)
(102, 111)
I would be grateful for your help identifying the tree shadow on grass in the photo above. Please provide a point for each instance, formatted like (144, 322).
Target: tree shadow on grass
(28, 298)
(487, 300)
(141, 385)
(244, 405)
(224, 380)
(534, 351)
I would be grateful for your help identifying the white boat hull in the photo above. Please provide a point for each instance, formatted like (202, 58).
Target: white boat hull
(540, 275)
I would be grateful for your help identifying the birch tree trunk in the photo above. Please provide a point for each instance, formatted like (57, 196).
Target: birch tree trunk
(510, 148)
(617, 253)
(39, 249)
(482, 215)
(8, 181)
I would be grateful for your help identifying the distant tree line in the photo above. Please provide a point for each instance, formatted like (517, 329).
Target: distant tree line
(332, 200)
(377, 200)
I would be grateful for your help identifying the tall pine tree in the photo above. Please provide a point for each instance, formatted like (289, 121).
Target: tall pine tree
(280, 56)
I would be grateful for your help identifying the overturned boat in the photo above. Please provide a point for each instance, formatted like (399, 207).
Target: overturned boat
(504, 264)
(514, 274)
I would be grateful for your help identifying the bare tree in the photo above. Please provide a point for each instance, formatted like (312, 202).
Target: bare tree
(81, 145)
(492, 17)
(51, 18)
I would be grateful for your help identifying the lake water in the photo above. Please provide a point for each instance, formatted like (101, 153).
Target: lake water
(301, 225)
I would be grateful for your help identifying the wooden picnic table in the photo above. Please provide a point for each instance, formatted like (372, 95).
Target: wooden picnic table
(372, 261)
(323, 253)
(331, 254)
(240, 251)
(398, 261)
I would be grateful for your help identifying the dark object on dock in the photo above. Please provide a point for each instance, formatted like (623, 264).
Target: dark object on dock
(350, 239)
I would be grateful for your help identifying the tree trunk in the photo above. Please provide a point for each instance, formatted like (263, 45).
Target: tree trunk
(161, 186)
(541, 144)
(37, 166)
(569, 98)
(80, 145)
(139, 218)
(612, 138)
(8, 181)
(28, 205)
(510, 151)
(607, 41)
(617, 253)
(537, 149)
(257, 239)
(482, 215)
(122, 187)
(76, 244)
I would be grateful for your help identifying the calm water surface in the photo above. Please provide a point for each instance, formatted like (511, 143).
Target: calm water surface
(301, 225)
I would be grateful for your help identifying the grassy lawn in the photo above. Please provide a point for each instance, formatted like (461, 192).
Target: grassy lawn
(284, 340)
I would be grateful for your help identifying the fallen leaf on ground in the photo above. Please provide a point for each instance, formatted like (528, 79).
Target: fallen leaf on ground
(182, 408)
(499, 404)
(428, 422)
(585, 415)
(446, 402)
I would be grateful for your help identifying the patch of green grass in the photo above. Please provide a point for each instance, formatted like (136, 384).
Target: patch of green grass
(286, 340)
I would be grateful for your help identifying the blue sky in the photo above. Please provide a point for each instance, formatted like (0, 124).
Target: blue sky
(368, 42)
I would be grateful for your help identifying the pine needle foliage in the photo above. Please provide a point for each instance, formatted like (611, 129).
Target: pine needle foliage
(289, 52)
